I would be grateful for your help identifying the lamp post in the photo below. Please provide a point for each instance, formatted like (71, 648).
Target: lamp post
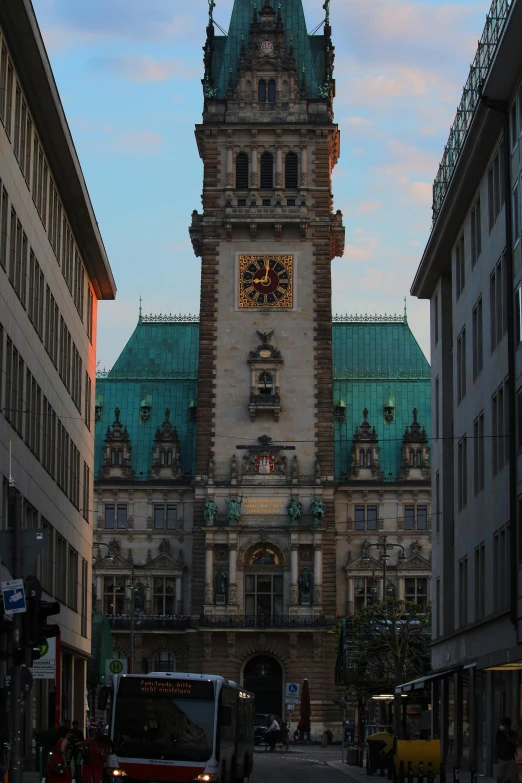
(384, 557)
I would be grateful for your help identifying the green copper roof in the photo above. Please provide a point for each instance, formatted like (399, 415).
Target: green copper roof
(227, 49)
(160, 363)
(374, 361)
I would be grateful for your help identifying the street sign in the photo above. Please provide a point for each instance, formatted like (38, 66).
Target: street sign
(45, 667)
(291, 705)
(292, 691)
(14, 596)
(115, 666)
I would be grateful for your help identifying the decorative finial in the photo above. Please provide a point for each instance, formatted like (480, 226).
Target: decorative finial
(139, 317)
(405, 312)
(326, 7)
(211, 6)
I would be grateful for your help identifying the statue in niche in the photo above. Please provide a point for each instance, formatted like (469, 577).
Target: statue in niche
(234, 510)
(221, 583)
(164, 546)
(145, 410)
(139, 597)
(294, 509)
(210, 511)
(318, 507)
(305, 586)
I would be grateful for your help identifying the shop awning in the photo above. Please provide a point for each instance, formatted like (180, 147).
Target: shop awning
(418, 684)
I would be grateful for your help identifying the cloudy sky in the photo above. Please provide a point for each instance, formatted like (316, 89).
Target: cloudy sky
(129, 75)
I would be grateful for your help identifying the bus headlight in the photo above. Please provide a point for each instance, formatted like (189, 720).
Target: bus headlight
(207, 777)
(117, 773)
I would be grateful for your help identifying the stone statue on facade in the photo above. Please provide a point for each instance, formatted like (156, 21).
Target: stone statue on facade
(221, 583)
(234, 510)
(305, 586)
(294, 509)
(318, 507)
(210, 511)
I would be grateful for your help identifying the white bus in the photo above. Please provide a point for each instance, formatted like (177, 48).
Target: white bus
(179, 727)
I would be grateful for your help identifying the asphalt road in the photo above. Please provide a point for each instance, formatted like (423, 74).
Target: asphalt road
(294, 768)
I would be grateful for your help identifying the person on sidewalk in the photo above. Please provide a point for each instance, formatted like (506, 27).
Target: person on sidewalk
(506, 741)
(272, 733)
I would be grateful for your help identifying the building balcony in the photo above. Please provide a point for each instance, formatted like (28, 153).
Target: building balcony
(277, 621)
(145, 622)
(264, 402)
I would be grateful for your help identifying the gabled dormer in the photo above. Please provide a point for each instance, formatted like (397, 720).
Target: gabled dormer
(365, 452)
(117, 451)
(166, 451)
(415, 452)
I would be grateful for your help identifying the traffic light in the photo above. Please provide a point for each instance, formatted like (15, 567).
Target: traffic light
(36, 628)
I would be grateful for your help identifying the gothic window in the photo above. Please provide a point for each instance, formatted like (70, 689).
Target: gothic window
(419, 458)
(242, 171)
(267, 170)
(114, 595)
(291, 170)
(261, 91)
(169, 458)
(361, 458)
(164, 595)
(412, 458)
(266, 384)
(120, 457)
(113, 456)
(369, 458)
(162, 457)
(164, 661)
(271, 91)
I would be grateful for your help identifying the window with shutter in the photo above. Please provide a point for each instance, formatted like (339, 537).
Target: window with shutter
(267, 170)
(291, 170)
(242, 171)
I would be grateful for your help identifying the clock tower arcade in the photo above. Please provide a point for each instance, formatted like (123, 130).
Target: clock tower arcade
(264, 538)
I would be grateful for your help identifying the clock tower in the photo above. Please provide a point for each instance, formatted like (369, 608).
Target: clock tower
(264, 551)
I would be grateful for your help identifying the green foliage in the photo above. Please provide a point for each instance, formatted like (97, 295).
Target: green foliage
(390, 645)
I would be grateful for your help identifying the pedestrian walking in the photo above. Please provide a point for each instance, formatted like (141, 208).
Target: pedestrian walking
(506, 741)
(58, 770)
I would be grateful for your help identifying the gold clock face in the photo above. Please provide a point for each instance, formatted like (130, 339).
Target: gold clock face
(265, 281)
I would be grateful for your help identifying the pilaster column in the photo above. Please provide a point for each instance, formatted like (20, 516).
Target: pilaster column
(254, 160)
(179, 594)
(318, 571)
(400, 588)
(232, 573)
(230, 165)
(279, 166)
(209, 573)
(304, 162)
(294, 575)
(350, 597)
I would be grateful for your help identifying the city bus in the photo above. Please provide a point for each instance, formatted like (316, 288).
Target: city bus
(178, 727)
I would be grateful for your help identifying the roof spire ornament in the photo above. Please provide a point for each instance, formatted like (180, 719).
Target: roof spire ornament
(211, 6)
(326, 8)
(405, 312)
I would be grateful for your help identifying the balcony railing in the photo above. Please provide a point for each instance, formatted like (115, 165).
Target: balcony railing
(146, 622)
(251, 621)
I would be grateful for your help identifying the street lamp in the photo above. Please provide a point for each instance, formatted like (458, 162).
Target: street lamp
(109, 556)
(384, 557)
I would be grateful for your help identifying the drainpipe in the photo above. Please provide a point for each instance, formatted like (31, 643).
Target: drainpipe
(503, 108)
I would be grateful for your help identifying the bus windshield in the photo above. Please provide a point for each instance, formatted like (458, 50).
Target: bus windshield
(164, 719)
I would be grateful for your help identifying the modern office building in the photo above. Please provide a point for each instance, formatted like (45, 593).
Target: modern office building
(471, 271)
(53, 271)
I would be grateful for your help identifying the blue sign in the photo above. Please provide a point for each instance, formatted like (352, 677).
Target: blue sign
(292, 688)
(14, 596)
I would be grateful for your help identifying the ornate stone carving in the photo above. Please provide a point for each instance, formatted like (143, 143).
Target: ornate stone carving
(415, 452)
(117, 451)
(365, 452)
(266, 455)
(166, 451)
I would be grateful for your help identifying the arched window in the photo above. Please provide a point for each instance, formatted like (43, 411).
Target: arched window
(261, 91)
(291, 170)
(271, 91)
(164, 661)
(169, 458)
(162, 457)
(361, 458)
(113, 457)
(419, 458)
(267, 170)
(412, 458)
(242, 171)
(120, 457)
(369, 458)
(265, 384)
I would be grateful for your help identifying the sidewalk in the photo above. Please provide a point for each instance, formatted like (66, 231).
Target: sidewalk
(358, 774)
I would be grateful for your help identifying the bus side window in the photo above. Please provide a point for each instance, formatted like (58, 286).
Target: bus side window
(225, 717)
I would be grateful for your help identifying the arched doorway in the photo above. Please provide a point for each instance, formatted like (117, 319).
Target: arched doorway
(263, 676)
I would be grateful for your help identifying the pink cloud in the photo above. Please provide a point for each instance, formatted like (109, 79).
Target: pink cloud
(366, 207)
